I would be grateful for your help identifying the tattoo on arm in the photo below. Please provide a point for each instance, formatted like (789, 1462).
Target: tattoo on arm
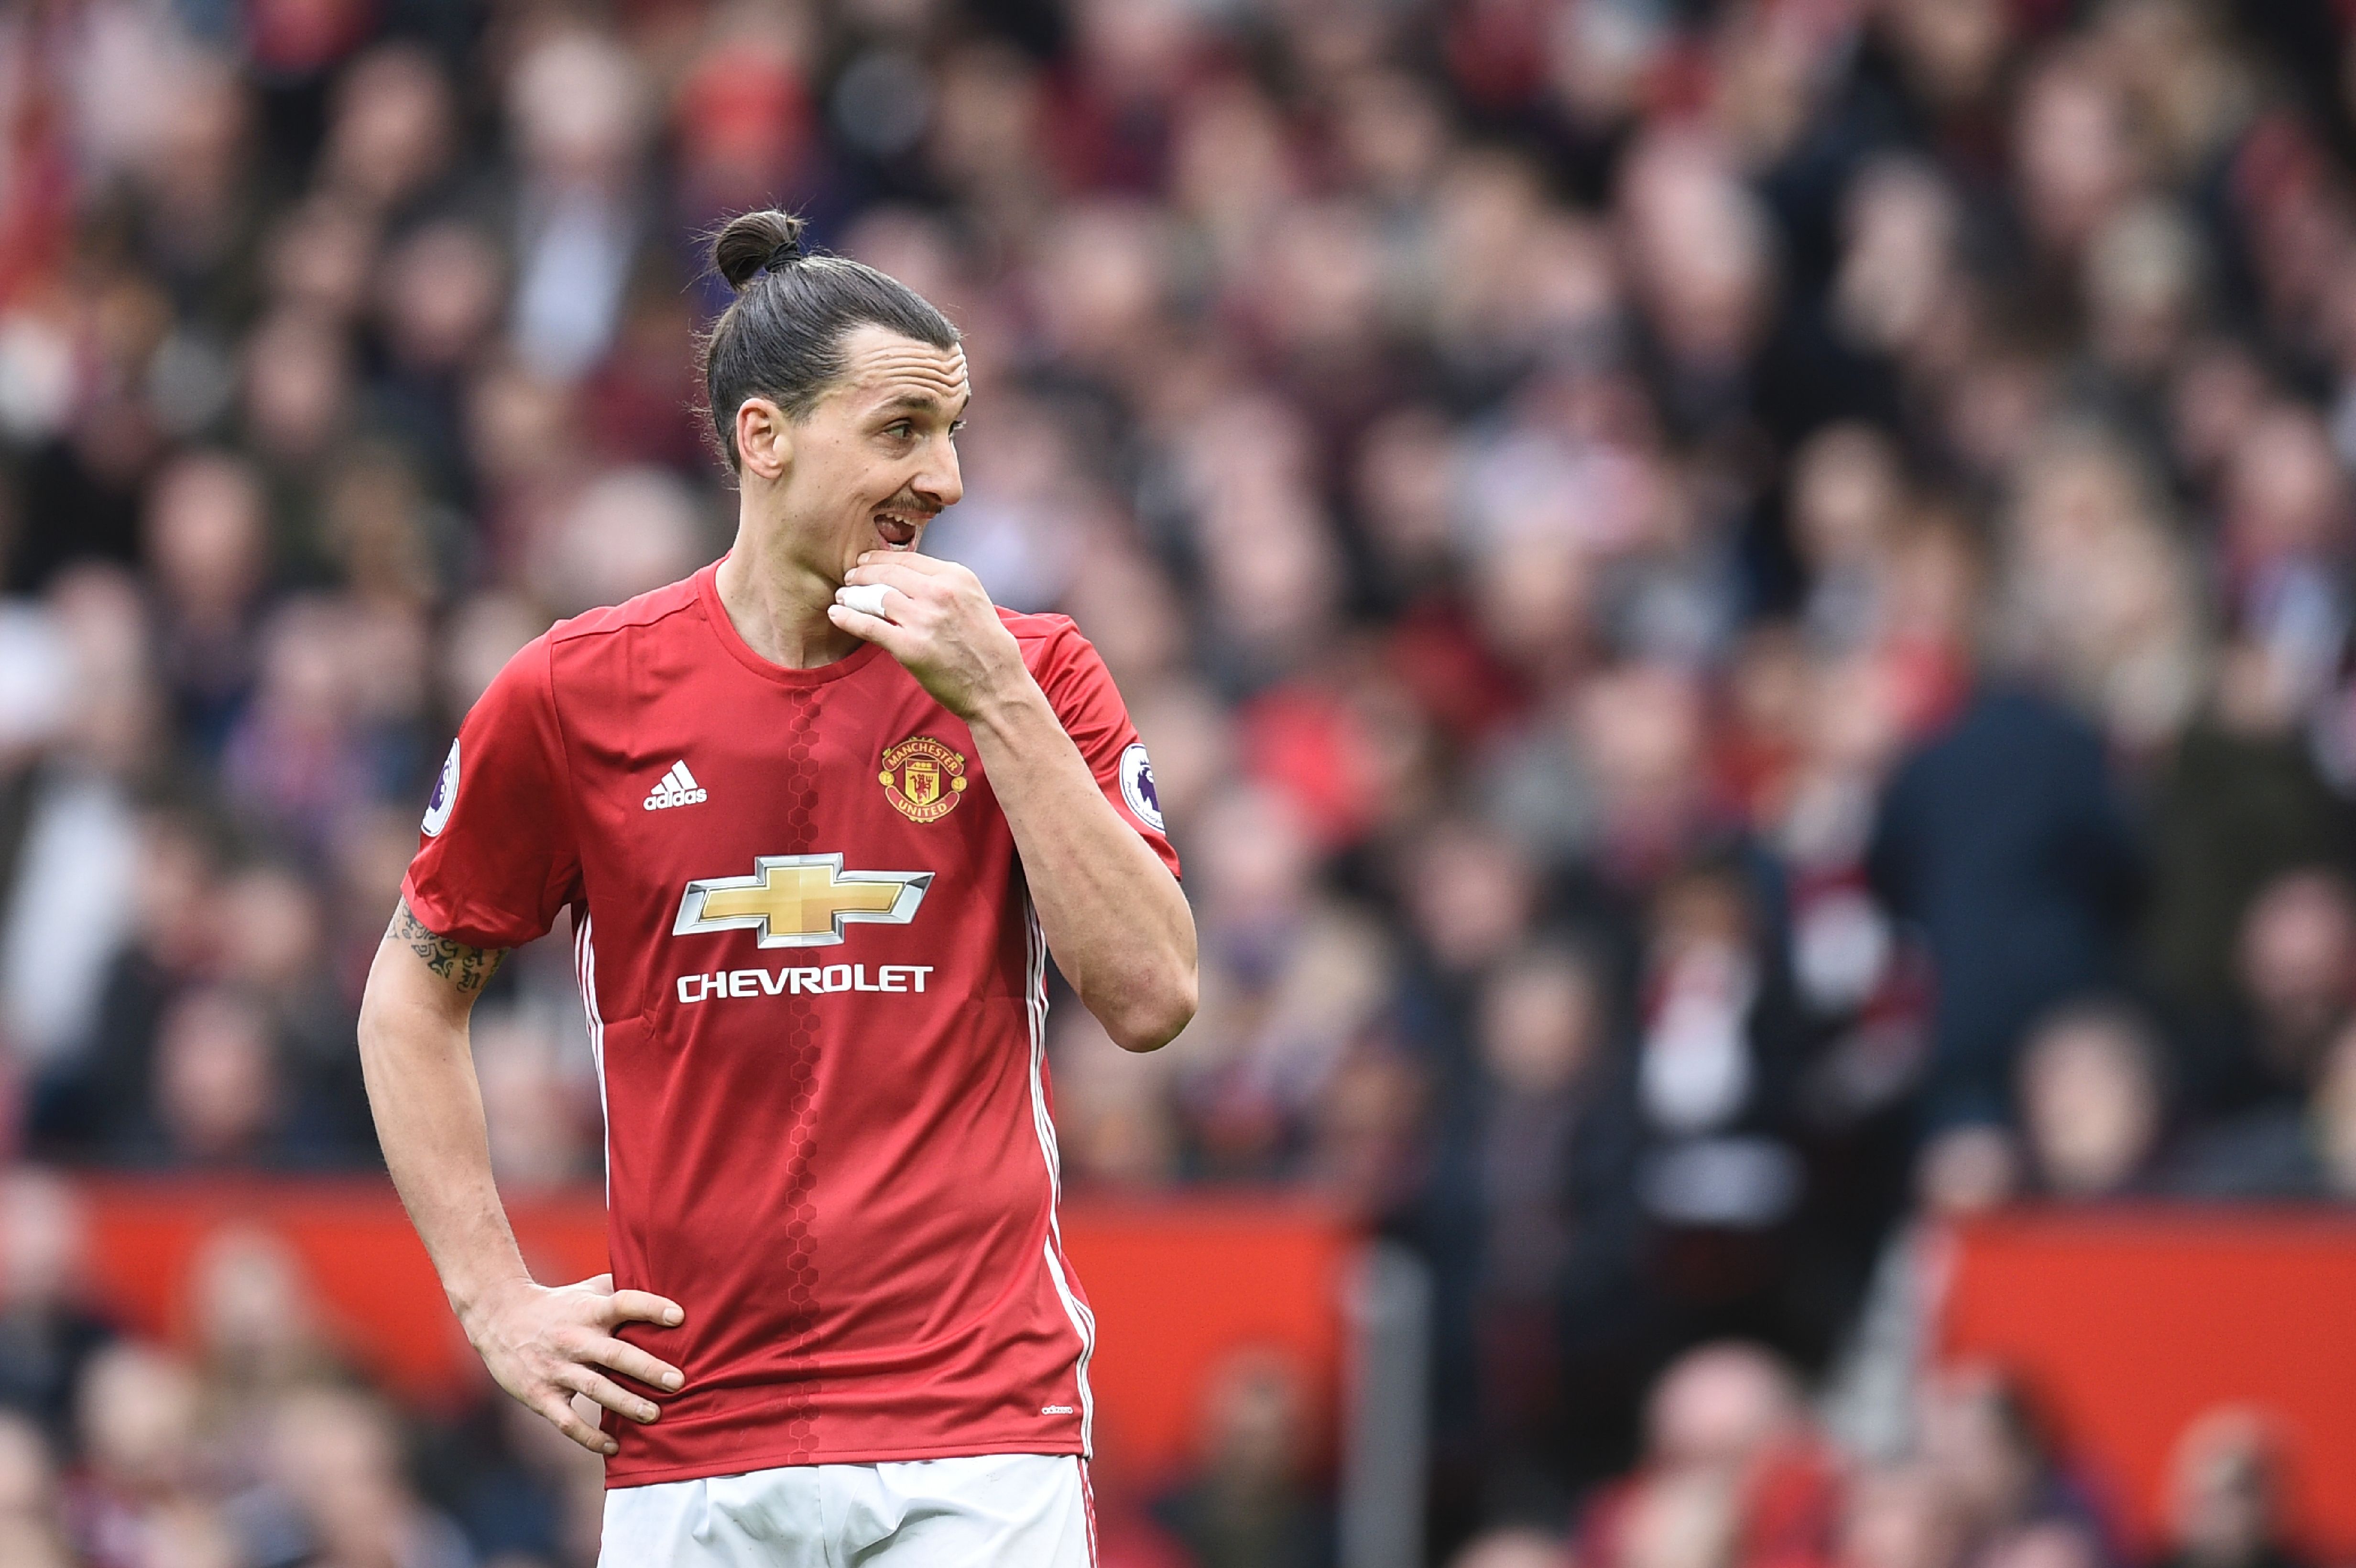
(464, 967)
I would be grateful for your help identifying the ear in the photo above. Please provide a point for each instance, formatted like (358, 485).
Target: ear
(765, 439)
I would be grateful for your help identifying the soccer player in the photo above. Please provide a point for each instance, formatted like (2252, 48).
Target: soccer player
(820, 812)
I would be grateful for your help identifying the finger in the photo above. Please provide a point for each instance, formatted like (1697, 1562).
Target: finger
(621, 1356)
(597, 1285)
(922, 565)
(920, 578)
(642, 1306)
(607, 1392)
(897, 640)
(557, 1410)
(889, 572)
(867, 598)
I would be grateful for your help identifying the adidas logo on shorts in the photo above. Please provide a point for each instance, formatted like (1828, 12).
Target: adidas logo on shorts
(678, 788)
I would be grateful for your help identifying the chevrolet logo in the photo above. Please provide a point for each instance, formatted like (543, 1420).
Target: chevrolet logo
(800, 900)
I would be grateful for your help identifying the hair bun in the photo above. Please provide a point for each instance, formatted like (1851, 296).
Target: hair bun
(754, 242)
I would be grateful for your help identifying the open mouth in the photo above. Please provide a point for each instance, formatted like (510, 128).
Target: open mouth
(898, 530)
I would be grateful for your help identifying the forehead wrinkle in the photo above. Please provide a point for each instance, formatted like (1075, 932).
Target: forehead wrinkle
(925, 381)
(875, 361)
(879, 363)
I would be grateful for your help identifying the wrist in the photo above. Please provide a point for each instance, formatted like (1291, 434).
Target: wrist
(475, 1302)
(1008, 704)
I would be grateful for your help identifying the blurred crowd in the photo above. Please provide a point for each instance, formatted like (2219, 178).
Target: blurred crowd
(1743, 610)
(255, 1442)
(1736, 1474)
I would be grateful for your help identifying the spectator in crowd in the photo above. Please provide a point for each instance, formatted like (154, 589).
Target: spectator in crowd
(139, 1422)
(1248, 1506)
(84, 1102)
(209, 556)
(2225, 1503)
(1732, 1472)
(2297, 947)
(2093, 1103)
(274, 950)
(2240, 802)
(1543, 1138)
(258, 1336)
(1899, 1516)
(49, 1328)
(1988, 1449)
(220, 1098)
(2004, 841)
(88, 739)
(2302, 1149)
(2049, 1543)
(31, 1530)
(336, 1489)
(1513, 1546)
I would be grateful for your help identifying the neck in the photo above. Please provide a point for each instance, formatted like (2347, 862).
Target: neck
(778, 604)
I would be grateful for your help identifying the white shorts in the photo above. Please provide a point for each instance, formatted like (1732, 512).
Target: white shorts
(998, 1510)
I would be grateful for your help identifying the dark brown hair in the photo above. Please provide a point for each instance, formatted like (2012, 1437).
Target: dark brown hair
(781, 337)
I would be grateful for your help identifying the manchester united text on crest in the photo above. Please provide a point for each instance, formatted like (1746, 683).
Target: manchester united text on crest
(923, 778)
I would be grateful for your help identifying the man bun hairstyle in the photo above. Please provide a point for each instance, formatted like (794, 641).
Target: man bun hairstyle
(781, 337)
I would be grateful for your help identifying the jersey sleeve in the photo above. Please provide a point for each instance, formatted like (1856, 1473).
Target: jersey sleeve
(496, 858)
(1081, 690)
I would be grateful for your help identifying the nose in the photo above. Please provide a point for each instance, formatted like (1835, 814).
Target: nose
(940, 482)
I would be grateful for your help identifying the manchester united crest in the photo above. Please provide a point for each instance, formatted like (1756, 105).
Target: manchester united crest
(923, 779)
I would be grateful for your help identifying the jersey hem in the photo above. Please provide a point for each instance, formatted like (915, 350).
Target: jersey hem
(795, 1458)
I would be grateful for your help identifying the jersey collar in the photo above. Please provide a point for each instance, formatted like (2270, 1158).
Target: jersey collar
(715, 615)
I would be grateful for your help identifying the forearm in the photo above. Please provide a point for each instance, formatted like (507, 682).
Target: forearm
(1114, 917)
(419, 1067)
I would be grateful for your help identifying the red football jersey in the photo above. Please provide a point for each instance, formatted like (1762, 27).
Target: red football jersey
(816, 992)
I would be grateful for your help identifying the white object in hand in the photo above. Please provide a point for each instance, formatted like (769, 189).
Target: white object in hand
(867, 598)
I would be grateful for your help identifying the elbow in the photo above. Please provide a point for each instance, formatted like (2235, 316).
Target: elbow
(398, 1014)
(1153, 1015)
(369, 1025)
(372, 1031)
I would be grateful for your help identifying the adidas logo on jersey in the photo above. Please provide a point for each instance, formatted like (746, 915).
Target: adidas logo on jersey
(678, 788)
